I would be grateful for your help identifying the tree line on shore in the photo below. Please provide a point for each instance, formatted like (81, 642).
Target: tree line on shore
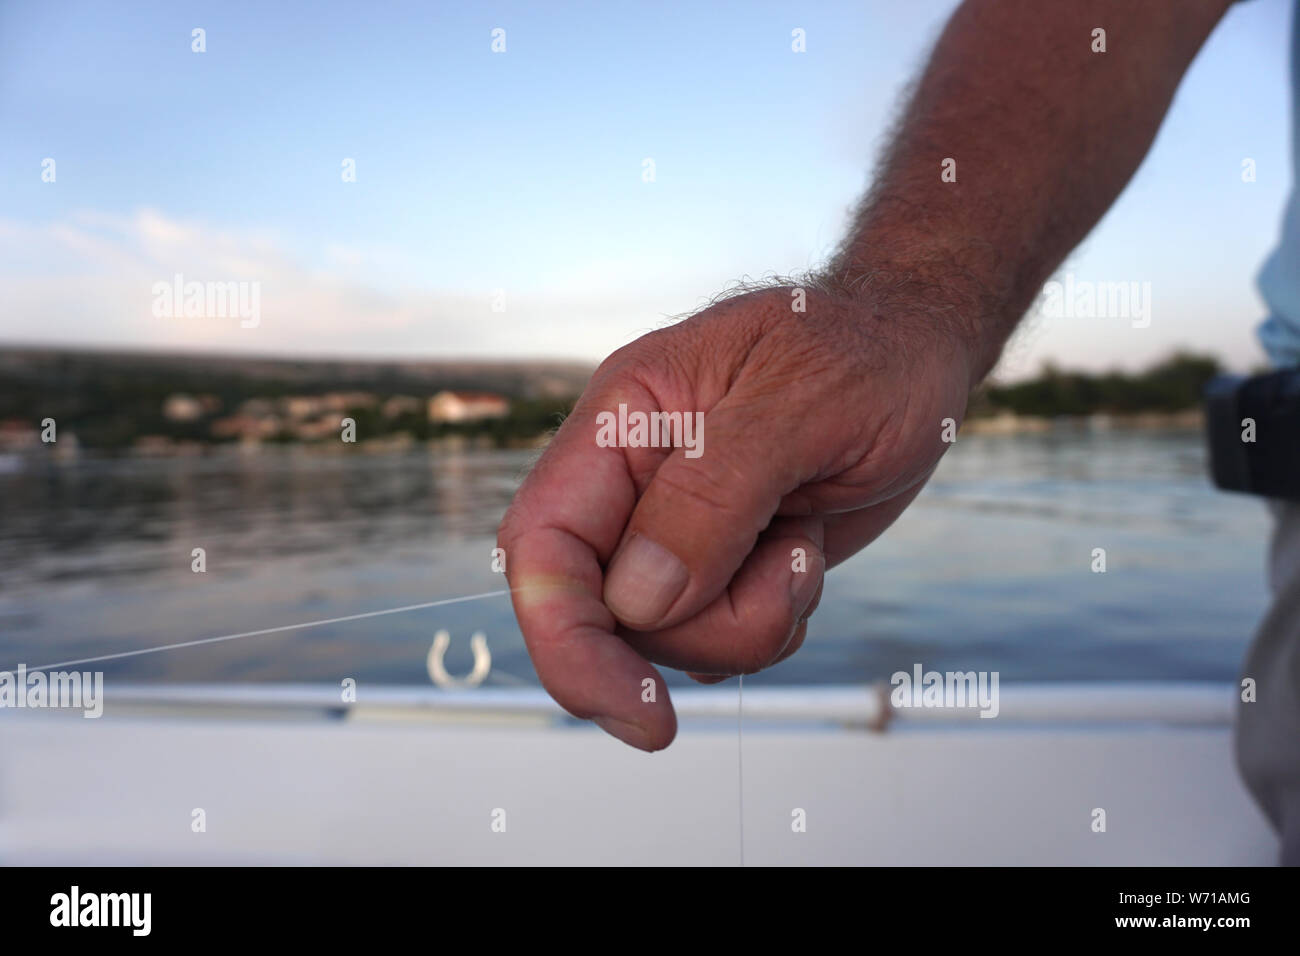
(1172, 385)
(109, 408)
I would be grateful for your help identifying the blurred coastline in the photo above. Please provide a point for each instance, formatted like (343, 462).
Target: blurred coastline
(184, 405)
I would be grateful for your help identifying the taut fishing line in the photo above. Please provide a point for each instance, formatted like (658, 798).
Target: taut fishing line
(273, 630)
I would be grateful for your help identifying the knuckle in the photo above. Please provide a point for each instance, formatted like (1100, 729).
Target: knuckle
(642, 357)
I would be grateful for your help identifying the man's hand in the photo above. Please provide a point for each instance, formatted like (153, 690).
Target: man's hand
(820, 427)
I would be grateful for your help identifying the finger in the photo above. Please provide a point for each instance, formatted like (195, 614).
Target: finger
(796, 642)
(565, 520)
(748, 626)
(849, 532)
(707, 678)
(699, 518)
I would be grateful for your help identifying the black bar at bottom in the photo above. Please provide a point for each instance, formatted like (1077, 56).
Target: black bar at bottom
(365, 906)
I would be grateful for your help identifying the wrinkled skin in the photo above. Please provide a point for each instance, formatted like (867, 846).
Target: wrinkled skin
(820, 428)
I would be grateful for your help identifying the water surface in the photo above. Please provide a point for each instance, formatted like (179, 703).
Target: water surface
(989, 570)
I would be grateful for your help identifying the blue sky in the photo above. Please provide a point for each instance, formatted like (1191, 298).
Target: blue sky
(522, 171)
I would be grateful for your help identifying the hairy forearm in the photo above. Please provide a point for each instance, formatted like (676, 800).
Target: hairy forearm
(1043, 134)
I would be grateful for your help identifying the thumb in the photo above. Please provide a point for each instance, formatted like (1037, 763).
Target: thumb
(700, 517)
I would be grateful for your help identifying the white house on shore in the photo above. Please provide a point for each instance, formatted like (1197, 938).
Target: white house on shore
(448, 406)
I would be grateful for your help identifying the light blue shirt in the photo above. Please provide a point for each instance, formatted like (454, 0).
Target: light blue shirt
(1279, 279)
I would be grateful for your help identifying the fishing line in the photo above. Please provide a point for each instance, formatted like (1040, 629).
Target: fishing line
(274, 630)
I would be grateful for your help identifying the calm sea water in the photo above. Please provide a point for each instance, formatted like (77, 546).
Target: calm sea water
(989, 570)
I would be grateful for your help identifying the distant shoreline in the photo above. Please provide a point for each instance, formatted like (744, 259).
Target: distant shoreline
(1009, 423)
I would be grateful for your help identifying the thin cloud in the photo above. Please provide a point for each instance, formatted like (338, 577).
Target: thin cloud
(94, 287)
